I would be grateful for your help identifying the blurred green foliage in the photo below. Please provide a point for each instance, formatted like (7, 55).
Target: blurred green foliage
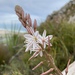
(14, 41)
(63, 48)
(63, 41)
(4, 54)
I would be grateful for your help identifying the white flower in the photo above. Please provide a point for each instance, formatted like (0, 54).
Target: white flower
(44, 39)
(31, 41)
(34, 41)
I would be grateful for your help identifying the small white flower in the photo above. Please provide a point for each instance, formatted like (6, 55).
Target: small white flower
(31, 41)
(44, 39)
(34, 41)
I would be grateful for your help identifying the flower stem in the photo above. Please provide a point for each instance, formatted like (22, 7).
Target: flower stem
(50, 59)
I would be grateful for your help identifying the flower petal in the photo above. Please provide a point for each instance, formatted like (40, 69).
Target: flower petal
(44, 34)
(50, 36)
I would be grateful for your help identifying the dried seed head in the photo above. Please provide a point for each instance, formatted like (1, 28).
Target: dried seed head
(25, 19)
(18, 9)
(20, 14)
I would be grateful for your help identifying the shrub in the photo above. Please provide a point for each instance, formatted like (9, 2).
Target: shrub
(63, 41)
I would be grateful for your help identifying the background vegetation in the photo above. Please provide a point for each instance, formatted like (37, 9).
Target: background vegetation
(63, 48)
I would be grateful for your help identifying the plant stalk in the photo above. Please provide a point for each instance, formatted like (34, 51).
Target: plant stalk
(50, 59)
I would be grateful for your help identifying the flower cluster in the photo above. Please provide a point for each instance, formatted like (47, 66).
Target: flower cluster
(35, 42)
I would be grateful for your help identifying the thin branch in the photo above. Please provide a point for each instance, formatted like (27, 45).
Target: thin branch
(12, 58)
(49, 57)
